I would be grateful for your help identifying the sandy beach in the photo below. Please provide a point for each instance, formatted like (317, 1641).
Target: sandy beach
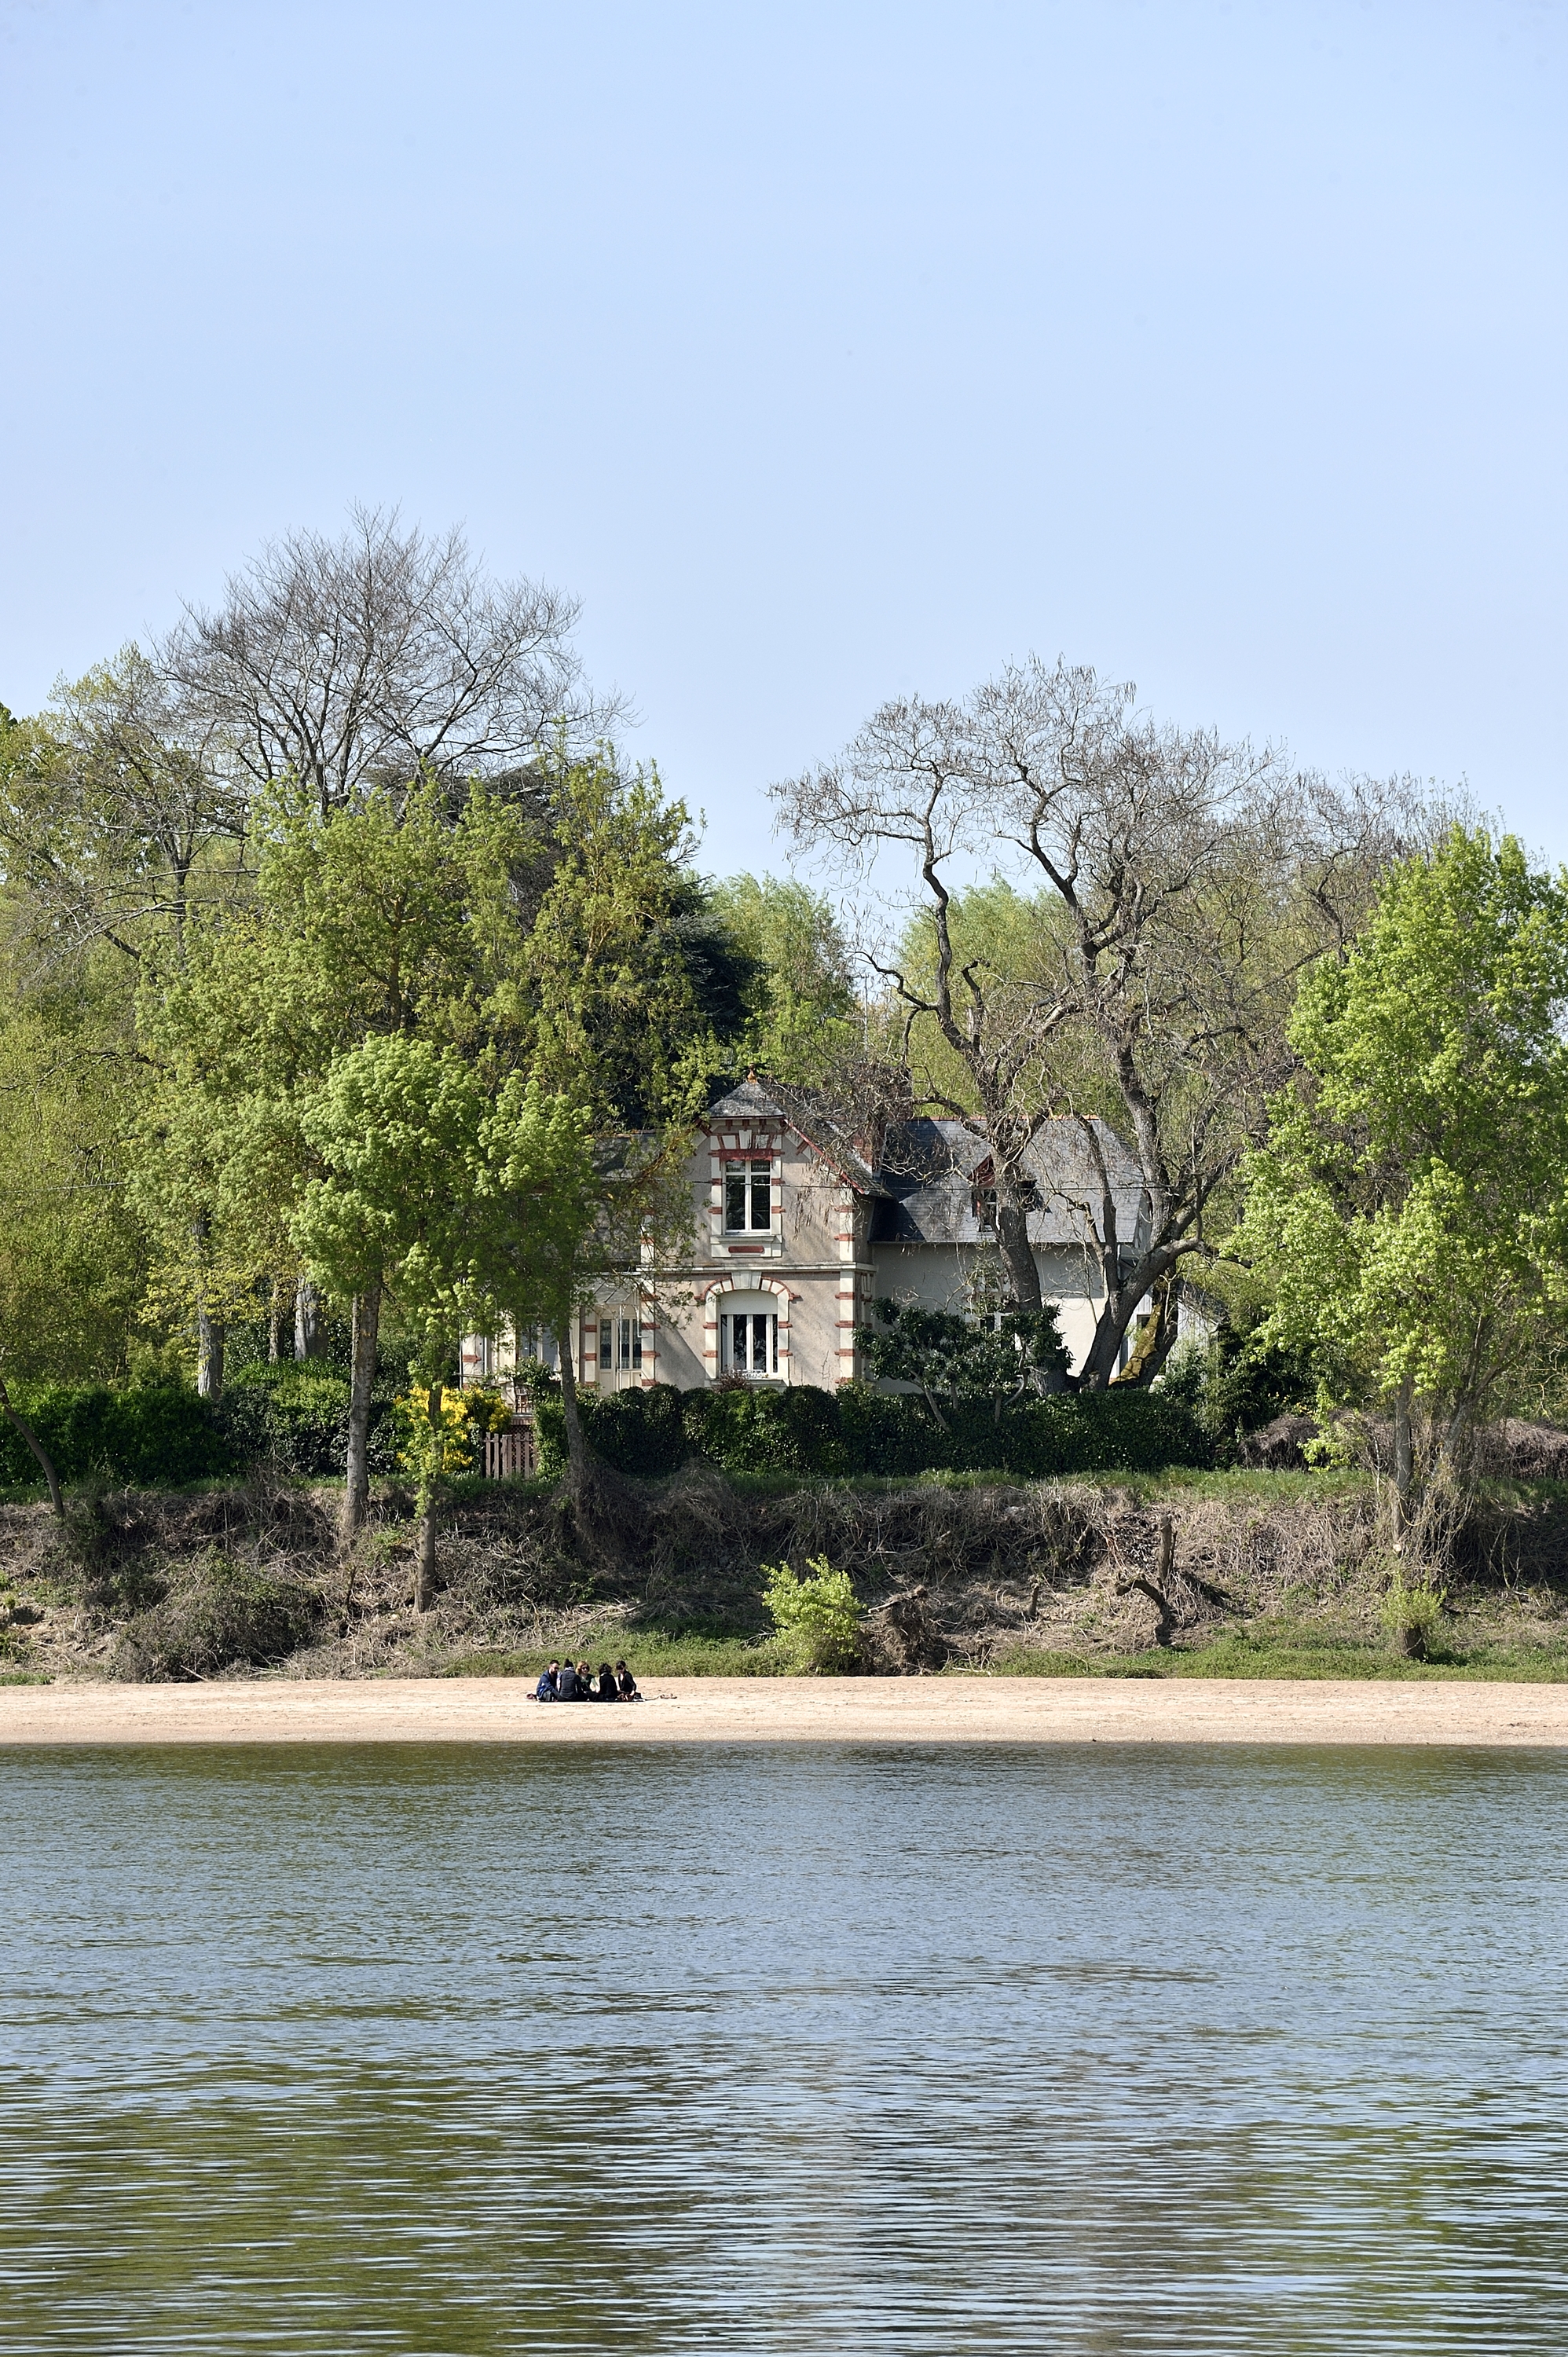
(794, 1710)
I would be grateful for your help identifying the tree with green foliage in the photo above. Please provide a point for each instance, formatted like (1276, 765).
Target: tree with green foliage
(112, 825)
(395, 1127)
(800, 1019)
(396, 918)
(73, 1258)
(112, 835)
(72, 1255)
(545, 1185)
(388, 918)
(1410, 1207)
(607, 992)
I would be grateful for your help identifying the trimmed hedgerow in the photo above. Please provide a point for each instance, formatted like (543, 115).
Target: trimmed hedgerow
(801, 1429)
(1122, 1431)
(297, 1413)
(151, 1434)
(796, 1430)
(297, 1417)
(637, 1432)
(159, 1435)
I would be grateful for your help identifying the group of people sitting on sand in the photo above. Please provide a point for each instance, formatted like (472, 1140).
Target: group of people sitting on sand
(576, 1682)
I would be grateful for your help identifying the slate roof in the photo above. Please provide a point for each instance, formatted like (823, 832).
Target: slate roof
(924, 1178)
(929, 1173)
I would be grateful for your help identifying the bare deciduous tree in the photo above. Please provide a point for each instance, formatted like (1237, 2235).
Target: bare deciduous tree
(114, 820)
(1187, 883)
(364, 659)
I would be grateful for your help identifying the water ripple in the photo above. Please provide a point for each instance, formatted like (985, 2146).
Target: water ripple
(1144, 2053)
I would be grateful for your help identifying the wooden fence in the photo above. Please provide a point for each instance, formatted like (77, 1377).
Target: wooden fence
(510, 1454)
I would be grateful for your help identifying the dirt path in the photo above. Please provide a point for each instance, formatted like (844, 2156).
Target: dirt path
(774, 1711)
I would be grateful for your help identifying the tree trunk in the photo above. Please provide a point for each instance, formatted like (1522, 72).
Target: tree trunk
(1404, 1466)
(1019, 1260)
(208, 1356)
(1099, 1368)
(934, 1405)
(307, 1337)
(367, 1318)
(36, 1445)
(424, 1559)
(425, 1540)
(576, 1448)
(274, 1324)
(1142, 1280)
(1155, 1336)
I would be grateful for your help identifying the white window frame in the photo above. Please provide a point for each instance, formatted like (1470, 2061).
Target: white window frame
(617, 1348)
(752, 1171)
(767, 1318)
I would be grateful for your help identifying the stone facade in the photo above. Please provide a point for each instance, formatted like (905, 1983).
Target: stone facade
(795, 1234)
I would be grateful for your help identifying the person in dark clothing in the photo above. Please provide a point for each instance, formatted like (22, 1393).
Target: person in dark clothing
(605, 1687)
(566, 1682)
(545, 1690)
(626, 1684)
(584, 1682)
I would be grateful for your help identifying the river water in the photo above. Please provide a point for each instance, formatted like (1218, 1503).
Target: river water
(808, 2049)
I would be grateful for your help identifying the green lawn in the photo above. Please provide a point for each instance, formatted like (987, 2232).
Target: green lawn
(1292, 1654)
(652, 1653)
(1286, 1652)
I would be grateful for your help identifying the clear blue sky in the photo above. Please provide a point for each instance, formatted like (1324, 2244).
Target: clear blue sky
(826, 350)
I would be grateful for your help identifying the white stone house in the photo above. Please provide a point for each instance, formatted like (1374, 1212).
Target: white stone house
(795, 1234)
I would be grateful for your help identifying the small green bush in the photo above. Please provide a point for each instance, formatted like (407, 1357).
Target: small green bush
(1413, 1615)
(818, 1616)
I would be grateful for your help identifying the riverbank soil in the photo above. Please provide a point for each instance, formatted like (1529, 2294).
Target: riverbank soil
(795, 1710)
(1240, 1576)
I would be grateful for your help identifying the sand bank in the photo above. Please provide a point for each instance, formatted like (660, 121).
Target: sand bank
(794, 1710)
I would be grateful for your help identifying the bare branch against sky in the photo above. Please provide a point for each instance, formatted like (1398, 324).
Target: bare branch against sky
(371, 656)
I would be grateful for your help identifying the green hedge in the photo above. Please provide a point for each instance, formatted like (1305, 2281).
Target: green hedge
(148, 1435)
(858, 1430)
(157, 1435)
(297, 1415)
(1116, 1431)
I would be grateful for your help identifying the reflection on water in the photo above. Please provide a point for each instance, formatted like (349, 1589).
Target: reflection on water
(806, 2050)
